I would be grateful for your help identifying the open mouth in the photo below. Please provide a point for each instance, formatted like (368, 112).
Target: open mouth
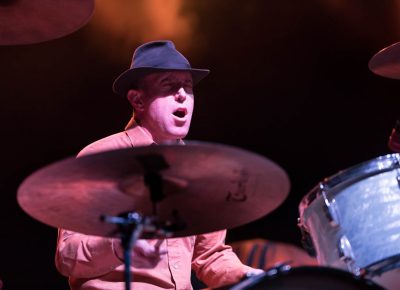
(180, 113)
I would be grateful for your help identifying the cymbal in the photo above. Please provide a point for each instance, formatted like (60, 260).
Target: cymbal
(386, 62)
(208, 186)
(34, 21)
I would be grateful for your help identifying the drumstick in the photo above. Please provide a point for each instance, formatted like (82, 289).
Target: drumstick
(158, 244)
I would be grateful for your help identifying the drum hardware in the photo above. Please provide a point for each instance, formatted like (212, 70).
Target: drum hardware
(346, 254)
(383, 266)
(132, 225)
(248, 282)
(396, 163)
(398, 178)
(154, 191)
(252, 280)
(394, 145)
(330, 207)
(306, 277)
(306, 240)
(130, 228)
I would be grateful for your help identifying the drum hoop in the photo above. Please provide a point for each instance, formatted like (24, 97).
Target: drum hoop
(383, 265)
(274, 273)
(343, 178)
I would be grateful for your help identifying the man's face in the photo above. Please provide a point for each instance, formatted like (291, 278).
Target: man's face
(167, 104)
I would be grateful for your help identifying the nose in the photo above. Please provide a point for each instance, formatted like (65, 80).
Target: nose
(180, 95)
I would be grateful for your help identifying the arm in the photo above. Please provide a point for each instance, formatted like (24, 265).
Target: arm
(84, 256)
(215, 263)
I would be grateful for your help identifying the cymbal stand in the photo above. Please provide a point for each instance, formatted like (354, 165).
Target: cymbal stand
(132, 224)
(130, 228)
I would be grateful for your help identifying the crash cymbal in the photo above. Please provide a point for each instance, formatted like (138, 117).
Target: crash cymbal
(34, 21)
(207, 187)
(386, 62)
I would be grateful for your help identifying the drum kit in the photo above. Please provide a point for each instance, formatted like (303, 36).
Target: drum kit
(155, 192)
(350, 221)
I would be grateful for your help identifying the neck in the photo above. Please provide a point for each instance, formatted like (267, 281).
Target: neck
(160, 139)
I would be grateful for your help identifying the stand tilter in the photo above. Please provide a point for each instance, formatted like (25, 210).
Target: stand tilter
(131, 225)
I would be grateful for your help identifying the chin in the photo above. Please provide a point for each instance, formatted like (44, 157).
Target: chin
(179, 133)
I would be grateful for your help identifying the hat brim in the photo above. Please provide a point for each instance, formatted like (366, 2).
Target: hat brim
(129, 78)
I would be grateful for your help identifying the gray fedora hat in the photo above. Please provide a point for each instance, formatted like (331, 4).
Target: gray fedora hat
(151, 57)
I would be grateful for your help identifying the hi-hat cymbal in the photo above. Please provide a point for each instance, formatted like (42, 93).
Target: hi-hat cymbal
(386, 62)
(34, 21)
(207, 186)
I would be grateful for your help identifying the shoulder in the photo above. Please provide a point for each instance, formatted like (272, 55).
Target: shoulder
(113, 142)
(133, 137)
(212, 237)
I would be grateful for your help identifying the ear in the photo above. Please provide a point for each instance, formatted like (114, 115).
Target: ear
(136, 98)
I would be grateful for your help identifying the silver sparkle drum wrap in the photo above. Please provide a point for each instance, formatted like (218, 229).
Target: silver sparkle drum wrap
(353, 217)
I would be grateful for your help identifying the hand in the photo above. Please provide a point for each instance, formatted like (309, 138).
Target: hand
(254, 272)
(144, 254)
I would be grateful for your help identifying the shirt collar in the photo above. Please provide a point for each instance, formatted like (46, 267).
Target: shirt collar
(139, 137)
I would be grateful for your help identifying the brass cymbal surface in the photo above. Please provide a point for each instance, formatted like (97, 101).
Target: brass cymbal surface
(34, 21)
(204, 187)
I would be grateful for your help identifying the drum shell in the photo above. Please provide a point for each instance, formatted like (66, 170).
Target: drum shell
(353, 217)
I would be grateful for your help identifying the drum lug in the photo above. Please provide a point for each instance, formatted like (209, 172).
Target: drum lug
(346, 255)
(398, 178)
(396, 164)
(345, 250)
(306, 240)
(330, 208)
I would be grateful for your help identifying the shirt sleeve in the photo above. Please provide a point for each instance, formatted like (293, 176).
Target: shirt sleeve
(215, 263)
(84, 256)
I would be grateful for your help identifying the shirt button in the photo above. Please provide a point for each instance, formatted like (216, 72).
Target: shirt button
(175, 266)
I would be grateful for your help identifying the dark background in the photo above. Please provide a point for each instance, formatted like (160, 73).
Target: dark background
(289, 80)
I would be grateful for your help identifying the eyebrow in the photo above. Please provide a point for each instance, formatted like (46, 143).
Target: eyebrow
(166, 79)
(169, 79)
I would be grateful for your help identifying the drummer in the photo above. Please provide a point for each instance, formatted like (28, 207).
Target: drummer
(159, 86)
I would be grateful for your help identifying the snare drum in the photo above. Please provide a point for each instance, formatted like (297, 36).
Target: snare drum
(305, 278)
(352, 219)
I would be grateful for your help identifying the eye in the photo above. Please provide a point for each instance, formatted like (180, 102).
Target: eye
(188, 89)
(167, 87)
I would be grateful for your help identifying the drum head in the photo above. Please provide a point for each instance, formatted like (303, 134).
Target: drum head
(308, 278)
